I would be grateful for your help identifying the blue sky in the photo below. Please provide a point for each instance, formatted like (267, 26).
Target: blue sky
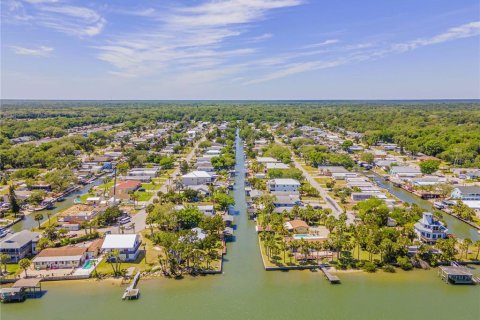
(240, 49)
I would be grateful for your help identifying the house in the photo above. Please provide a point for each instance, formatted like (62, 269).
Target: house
(94, 249)
(124, 188)
(19, 245)
(360, 196)
(60, 258)
(343, 175)
(149, 172)
(466, 193)
(80, 213)
(127, 244)
(405, 171)
(297, 226)
(429, 229)
(213, 152)
(205, 166)
(277, 165)
(265, 160)
(195, 178)
(284, 201)
(330, 170)
(207, 209)
(283, 185)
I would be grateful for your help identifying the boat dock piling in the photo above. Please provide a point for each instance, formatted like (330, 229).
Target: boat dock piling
(131, 292)
(330, 277)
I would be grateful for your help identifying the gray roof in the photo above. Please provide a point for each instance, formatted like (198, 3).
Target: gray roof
(468, 189)
(19, 239)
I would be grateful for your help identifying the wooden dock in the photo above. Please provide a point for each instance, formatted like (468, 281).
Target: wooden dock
(330, 277)
(131, 292)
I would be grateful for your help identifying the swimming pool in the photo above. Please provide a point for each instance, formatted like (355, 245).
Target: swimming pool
(87, 264)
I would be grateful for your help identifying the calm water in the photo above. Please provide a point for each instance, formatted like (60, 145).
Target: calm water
(246, 291)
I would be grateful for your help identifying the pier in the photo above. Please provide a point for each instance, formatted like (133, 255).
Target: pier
(132, 292)
(456, 274)
(330, 277)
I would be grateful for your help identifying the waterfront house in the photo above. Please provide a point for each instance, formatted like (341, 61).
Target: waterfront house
(265, 160)
(466, 193)
(19, 245)
(403, 172)
(297, 226)
(196, 178)
(80, 212)
(127, 244)
(276, 165)
(283, 185)
(206, 209)
(429, 229)
(285, 200)
(60, 258)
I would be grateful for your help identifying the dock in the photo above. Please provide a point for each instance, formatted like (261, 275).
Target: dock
(330, 277)
(131, 292)
(21, 290)
(456, 274)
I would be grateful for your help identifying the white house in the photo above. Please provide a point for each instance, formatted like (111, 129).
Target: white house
(265, 160)
(195, 178)
(466, 193)
(405, 171)
(60, 258)
(429, 229)
(283, 185)
(127, 244)
(277, 165)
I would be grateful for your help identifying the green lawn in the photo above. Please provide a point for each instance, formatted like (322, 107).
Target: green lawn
(84, 197)
(143, 195)
(151, 186)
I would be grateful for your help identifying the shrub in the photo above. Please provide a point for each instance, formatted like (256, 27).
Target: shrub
(389, 268)
(404, 263)
(369, 267)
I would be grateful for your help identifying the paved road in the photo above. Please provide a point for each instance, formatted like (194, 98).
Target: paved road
(330, 202)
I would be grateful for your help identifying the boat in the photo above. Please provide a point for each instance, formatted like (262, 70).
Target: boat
(438, 205)
(60, 199)
(77, 200)
(4, 232)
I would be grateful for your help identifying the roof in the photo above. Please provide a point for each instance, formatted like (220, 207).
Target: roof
(277, 165)
(197, 174)
(468, 189)
(266, 159)
(19, 239)
(79, 209)
(286, 182)
(297, 224)
(333, 169)
(95, 245)
(405, 169)
(128, 184)
(61, 252)
(27, 283)
(119, 241)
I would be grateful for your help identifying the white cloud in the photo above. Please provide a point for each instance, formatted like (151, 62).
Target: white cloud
(190, 39)
(358, 53)
(74, 20)
(322, 44)
(41, 51)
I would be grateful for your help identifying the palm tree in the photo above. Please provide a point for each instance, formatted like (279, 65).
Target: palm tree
(49, 214)
(477, 244)
(38, 217)
(465, 245)
(113, 257)
(3, 260)
(25, 264)
(283, 246)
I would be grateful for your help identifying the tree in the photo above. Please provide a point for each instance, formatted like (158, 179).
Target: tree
(38, 217)
(25, 264)
(467, 242)
(113, 257)
(184, 167)
(463, 211)
(477, 244)
(347, 144)
(429, 166)
(189, 217)
(367, 157)
(4, 258)
(224, 200)
(36, 197)
(122, 168)
(12, 198)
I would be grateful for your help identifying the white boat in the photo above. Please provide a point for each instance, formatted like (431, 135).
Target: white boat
(4, 232)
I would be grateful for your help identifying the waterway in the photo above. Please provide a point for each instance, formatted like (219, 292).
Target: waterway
(246, 291)
(29, 222)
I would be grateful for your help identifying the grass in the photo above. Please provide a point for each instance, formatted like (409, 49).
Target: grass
(151, 186)
(85, 196)
(143, 195)
(12, 270)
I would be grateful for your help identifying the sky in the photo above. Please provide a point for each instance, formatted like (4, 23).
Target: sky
(240, 49)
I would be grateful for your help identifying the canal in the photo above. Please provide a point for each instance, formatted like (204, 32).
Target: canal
(246, 291)
(29, 222)
(455, 226)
